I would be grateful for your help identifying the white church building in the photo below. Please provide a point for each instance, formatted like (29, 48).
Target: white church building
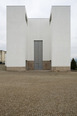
(38, 43)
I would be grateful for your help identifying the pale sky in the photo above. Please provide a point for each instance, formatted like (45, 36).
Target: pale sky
(39, 9)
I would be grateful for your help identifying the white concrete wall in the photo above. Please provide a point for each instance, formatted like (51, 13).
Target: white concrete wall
(60, 36)
(16, 36)
(21, 36)
(38, 29)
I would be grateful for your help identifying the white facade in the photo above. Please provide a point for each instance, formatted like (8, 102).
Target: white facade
(16, 36)
(39, 29)
(60, 25)
(54, 32)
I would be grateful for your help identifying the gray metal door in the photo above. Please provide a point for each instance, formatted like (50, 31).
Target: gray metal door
(38, 55)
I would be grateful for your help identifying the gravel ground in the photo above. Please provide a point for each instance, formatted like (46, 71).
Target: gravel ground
(38, 93)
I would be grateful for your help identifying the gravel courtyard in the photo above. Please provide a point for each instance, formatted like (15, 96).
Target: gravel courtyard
(38, 93)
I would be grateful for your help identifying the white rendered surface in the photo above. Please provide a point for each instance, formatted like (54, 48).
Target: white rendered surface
(21, 36)
(39, 29)
(60, 25)
(16, 36)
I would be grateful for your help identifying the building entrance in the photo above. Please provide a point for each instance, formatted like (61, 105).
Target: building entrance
(38, 54)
